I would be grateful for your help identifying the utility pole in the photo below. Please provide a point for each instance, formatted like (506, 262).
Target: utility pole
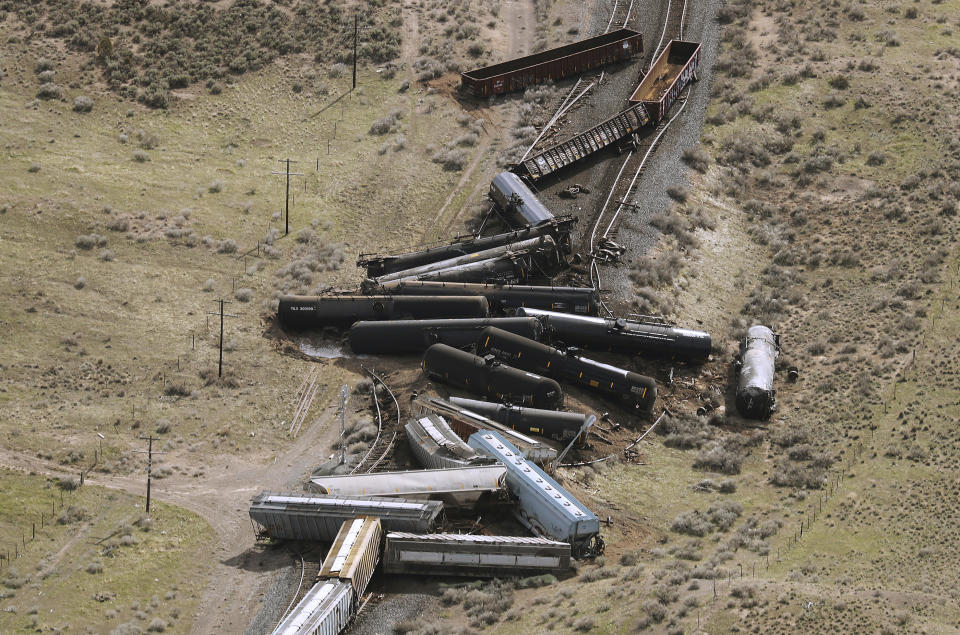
(222, 315)
(356, 32)
(288, 174)
(149, 452)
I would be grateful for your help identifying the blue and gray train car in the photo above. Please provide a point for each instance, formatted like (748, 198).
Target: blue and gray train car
(544, 506)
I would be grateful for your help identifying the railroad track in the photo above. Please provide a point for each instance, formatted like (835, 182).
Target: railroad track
(608, 218)
(386, 431)
(620, 17)
(305, 395)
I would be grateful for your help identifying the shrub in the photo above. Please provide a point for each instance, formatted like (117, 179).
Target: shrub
(244, 294)
(723, 456)
(72, 515)
(43, 65)
(94, 567)
(157, 625)
(176, 390)
(140, 156)
(82, 104)
(727, 486)
(452, 159)
(49, 91)
(34, 168)
(216, 187)
(876, 158)
(209, 285)
(692, 524)
(697, 158)
(383, 125)
(80, 282)
(227, 246)
(106, 255)
(584, 624)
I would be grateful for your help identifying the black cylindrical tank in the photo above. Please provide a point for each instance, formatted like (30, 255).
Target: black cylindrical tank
(756, 397)
(507, 298)
(396, 337)
(488, 377)
(561, 426)
(512, 196)
(567, 366)
(651, 339)
(313, 312)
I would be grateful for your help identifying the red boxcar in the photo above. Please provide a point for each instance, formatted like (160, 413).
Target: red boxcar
(672, 71)
(553, 64)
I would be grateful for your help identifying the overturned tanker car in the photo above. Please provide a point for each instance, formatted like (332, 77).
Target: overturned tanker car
(488, 377)
(543, 245)
(507, 298)
(637, 390)
(756, 397)
(512, 196)
(651, 338)
(380, 265)
(315, 312)
(399, 337)
(552, 424)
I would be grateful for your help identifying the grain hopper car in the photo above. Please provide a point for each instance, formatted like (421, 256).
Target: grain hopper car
(319, 517)
(544, 507)
(473, 555)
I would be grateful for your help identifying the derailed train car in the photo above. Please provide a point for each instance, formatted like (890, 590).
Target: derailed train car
(326, 609)
(436, 446)
(544, 245)
(507, 298)
(512, 196)
(456, 487)
(652, 339)
(315, 312)
(319, 517)
(668, 75)
(464, 423)
(756, 397)
(486, 376)
(552, 424)
(473, 555)
(624, 385)
(354, 553)
(544, 506)
(399, 337)
(381, 265)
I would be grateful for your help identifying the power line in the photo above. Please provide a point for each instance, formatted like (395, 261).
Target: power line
(222, 315)
(149, 452)
(288, 174)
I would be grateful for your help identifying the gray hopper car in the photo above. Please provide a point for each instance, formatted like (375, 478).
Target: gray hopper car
(560, 426)
(464, 422)
(399, 337)
(543, 505)
(457, 487)
(756, 397)
(512, 196)
(486, 376)
(326, 609)
(508, 298)
(354, 553)
(315, 312)
(319, 517)
(437, 447)
(473, 555)
(619, 335)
